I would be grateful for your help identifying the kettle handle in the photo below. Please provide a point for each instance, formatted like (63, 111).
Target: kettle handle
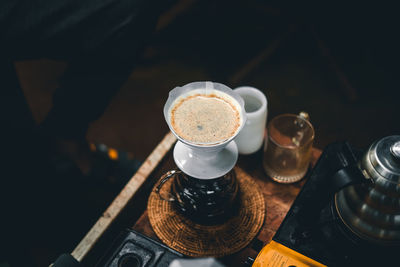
(335, 179)
(346, 176)
(162, 181)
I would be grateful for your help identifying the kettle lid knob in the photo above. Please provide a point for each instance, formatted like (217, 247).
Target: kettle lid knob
(395, 150)
(384, 157)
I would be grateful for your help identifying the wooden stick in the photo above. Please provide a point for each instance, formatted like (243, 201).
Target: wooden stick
(258, 59)
(123, 198)
(170, 15)
(349, 90)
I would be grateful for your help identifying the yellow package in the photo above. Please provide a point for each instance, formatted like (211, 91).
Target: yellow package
(277, 255)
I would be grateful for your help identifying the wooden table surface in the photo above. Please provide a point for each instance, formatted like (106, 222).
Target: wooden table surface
(278, 200)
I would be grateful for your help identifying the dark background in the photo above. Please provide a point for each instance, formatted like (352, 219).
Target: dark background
(337, 61)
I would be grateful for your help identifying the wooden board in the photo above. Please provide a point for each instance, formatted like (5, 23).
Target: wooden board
(278, 200)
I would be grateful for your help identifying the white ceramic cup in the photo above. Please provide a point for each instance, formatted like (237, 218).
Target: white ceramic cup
(251, 138)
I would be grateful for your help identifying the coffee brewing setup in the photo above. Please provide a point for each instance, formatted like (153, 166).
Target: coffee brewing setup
(346, 214)
(204, 185)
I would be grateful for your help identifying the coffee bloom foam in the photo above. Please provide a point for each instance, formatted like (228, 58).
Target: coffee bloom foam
(204, 118)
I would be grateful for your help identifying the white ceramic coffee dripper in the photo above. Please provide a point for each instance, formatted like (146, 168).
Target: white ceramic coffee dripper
(205, 160)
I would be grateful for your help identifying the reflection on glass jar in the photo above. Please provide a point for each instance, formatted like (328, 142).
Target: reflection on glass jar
(204, 201)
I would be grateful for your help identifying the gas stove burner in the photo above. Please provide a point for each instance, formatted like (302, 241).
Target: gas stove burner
(132, 249)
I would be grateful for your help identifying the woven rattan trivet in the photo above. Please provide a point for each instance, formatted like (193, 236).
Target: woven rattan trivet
(196, 240)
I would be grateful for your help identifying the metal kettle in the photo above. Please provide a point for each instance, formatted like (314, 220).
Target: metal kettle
(371, 209)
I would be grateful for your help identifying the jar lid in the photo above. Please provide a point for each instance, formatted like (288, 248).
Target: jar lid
(384, 155)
